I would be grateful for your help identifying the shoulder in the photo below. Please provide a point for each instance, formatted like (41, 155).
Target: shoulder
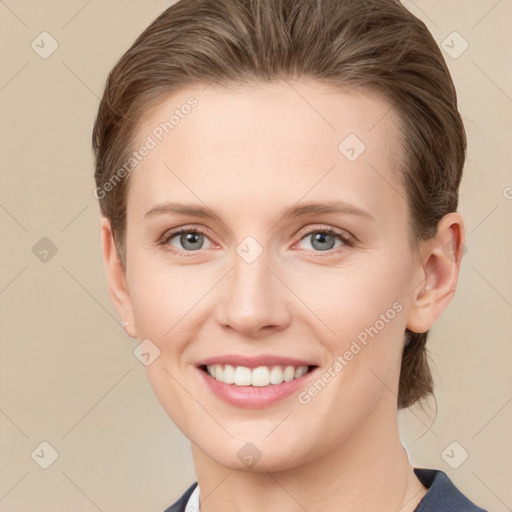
(442, 495)
(179, 506)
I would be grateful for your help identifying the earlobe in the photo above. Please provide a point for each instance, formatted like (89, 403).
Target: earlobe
(116, 279)
(441, 260)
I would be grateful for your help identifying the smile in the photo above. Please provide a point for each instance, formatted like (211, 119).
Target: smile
(255, 382)
(261, 376)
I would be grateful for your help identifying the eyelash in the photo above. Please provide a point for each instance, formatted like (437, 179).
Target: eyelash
(347, 241)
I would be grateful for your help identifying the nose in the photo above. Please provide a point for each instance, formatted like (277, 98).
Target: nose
(254, 302)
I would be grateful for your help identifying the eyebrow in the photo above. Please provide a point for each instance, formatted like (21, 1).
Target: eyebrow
(193, 210)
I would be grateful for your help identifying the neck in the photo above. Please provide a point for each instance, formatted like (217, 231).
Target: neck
(368, 470)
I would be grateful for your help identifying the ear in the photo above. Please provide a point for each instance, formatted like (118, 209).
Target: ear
(440, 261)
(116, 279)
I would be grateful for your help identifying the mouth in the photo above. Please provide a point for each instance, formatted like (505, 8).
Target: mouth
(258, 377)
(255, 381)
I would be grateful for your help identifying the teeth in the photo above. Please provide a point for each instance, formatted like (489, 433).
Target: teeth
(300, 371)
(242, 376)
(260, 376)
(229, 374)
(218, 371)
(289, 374)
(276, 375)
(257, 377)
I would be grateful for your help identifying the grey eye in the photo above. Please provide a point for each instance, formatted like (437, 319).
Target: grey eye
(322, 241)
(188, 240)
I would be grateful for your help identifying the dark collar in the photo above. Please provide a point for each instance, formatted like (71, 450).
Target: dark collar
(180, 505)
(442, 495)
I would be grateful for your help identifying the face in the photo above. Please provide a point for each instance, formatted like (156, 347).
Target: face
(268, 229)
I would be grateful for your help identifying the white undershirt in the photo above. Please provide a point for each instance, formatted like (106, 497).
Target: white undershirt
(193, 501)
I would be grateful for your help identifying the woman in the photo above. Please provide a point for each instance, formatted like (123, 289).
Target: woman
(278, 181)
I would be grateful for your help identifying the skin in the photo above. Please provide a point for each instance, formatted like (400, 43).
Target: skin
(248, 153)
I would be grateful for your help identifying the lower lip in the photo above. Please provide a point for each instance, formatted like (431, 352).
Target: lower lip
(254, 397)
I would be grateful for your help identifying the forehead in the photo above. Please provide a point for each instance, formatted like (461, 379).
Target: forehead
(282, 139)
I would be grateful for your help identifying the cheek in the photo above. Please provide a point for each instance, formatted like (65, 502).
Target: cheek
(367, 301)
(366, 310)
(163, 307)
(339, 305)
(164, 299)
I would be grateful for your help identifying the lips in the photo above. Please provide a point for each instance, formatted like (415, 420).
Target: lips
(257, 381)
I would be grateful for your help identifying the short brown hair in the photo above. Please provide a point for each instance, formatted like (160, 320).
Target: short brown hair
(373, 43)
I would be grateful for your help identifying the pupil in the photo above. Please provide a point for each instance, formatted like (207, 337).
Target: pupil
(190, 238)
(321, 238)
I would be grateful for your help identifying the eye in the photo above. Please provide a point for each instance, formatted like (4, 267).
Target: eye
(323, 239)
(185, 239)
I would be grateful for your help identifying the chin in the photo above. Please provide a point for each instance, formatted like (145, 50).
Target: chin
(257, 456)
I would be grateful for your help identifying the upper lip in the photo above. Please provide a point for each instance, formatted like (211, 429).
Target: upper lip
(254, 361)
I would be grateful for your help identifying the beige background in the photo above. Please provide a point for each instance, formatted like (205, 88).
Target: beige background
(68, 373)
